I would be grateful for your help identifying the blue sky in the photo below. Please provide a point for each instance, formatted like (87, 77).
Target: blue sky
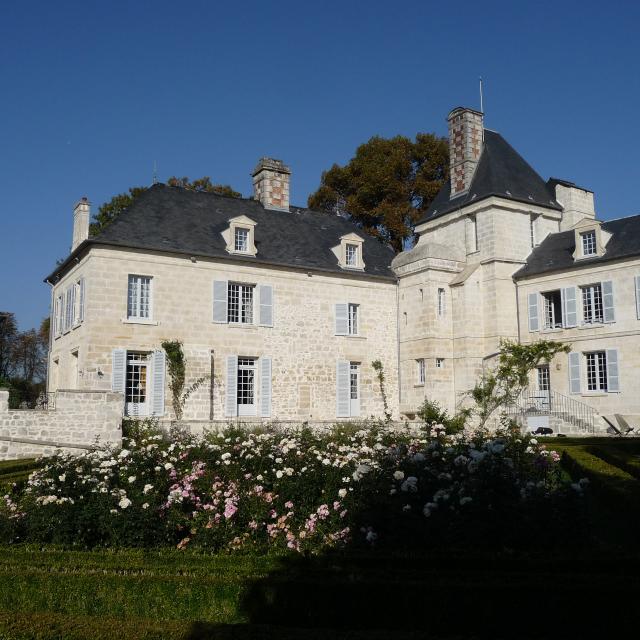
(93, 93)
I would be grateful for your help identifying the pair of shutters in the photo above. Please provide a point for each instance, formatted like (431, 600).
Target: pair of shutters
(613, 376)
(66, 307)
(569, 298)
(156, 378)
(231, 399)
(220, 303)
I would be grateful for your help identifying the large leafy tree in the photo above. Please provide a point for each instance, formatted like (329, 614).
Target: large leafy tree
(109, 211)
(8, 336)
(387, 186)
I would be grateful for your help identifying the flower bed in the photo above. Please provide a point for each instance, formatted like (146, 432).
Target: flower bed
(295, 489)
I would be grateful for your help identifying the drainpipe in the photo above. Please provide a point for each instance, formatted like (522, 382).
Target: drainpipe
(398, 344)
(51, 331)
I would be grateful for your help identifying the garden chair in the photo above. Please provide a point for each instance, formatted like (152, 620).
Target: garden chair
(613, 427)
(625, 429)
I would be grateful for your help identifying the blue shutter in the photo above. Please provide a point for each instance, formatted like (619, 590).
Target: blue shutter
(81, 304)
(231, 400)
(265, 387)
(72, 306)
(157, 383)
(534, 322)
(220, 301)
(569, 307)
(342, 319)
(574, 372)
(609, 313)
(118, 370)
(266, 305)
(613, 376)
(342, 389)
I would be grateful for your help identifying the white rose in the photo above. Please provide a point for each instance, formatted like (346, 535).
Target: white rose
(124, 503)
(147, 488)
(398, 475)
(168, 466)
(279, 474)
(131, 479)
(342, 493)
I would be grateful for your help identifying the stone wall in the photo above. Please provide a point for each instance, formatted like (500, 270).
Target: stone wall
(78, 419)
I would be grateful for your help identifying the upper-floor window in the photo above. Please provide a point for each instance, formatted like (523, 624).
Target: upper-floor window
(240, 303)
(588, 239)
(139, 298)
(241, 241)
(552, 309)
(439, 363)
(592, 304)
(532, 230)
(421, 370)
(351, 255)
(471, 232)
(59, 316)
(353, 319)
(441, 302)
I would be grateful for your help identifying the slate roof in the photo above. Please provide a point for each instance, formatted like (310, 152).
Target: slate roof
(555, 252)
(175, 220)
(502, 172)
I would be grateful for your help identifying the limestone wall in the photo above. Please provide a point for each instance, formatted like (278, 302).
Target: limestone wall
(302, 342)
(79, 417)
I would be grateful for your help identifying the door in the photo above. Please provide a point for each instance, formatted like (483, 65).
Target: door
(247, 405)
(544, 387)
(136, 389)
(354, 389)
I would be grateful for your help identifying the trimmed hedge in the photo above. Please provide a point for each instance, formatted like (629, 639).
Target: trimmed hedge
(619, 457)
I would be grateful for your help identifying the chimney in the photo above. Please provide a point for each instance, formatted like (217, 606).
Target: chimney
(271, 184)
(81, 214)
(465, 147)
(577, 202)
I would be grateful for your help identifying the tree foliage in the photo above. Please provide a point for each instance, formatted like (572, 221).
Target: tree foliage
(387, 186)
(8, 337)
(109, 211)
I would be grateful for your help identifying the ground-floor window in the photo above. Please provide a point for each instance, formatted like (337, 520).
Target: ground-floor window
(421, 370)
(597, 371)
(246, 387)
(136, 384)
(354, 388)
(543, 378)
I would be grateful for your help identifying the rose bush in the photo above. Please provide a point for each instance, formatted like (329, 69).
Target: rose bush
(296, 489)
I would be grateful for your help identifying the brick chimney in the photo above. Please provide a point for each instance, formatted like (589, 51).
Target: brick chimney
(81, 214)
(271, 184)
(465, 147)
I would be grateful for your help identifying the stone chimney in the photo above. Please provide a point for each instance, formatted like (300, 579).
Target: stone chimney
(271, 184)
(577, 203)
(465, 147)
(81, 215)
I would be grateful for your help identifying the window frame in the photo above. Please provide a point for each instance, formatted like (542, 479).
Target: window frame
(441, 306)
(422, 371)
(138, 301)
(439, 363)
(596, 371)
(353, 261)
(243, 247)
(589, 239)
(243, 287)
(590, 303)
(353, 319)
(549, 320)
(248, 364)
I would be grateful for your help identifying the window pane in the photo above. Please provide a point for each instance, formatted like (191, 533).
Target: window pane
(352, 255)
(353, 386)
(242, 240)
(353, 319)
(589, 243)
(246, 380)
(233, 302)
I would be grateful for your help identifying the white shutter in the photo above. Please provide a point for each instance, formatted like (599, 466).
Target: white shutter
(265, 387)
(342, 389)
(534, 322)
(609, 313)
(342, 319)
(569, 308)
(613, 376)
(157, 383)
(638, 297)
(266, 305)
(72, 306)
(220, 301)
(231, 402)
(118, 370)
(574, 372)
(82, 296)
(56, 317)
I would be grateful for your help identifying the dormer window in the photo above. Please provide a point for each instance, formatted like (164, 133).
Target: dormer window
(239, 236)
(241, 240)
(588, 239)
(351, 255)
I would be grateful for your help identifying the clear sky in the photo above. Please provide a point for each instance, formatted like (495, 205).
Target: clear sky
(93, 93)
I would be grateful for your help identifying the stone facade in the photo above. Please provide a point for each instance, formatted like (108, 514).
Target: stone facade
(79, 417)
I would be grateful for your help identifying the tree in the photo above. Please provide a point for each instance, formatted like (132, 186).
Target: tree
(109, 211)
(8, 337)
(387, 186)
(29, 356)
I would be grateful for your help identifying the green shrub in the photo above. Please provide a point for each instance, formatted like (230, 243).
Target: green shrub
(619, 457)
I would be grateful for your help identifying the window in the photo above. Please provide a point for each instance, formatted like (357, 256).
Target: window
(354, 389)
(353, 319)
(136, 384)
(421, 370)
(240, 303)
(471, 234)
(246, 389)
(543, 378)
(351, 255)
(597, 371)
(588, 243)
(139, 298)
(592, 304)
(59, 319)
(439, 363)
(241, 242)
(441, 302)
(552, 309)
(532, 230)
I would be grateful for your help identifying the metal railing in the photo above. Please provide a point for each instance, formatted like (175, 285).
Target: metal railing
(551, 403)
